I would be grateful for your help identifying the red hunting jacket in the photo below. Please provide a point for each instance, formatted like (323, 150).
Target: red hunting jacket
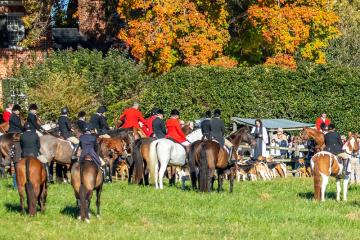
(132, 118)
(319, 121)
(148, 130)
(6, 115)
(174, 130)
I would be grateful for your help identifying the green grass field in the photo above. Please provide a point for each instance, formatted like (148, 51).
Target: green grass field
(280, 209)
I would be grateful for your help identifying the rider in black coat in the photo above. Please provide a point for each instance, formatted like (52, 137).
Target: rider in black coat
(88, 144)
(217, 128)
(158, 125)
(29, 142)
(81, 123)
(32, 119)
(333, 141)
(206, 126)
(64, 123)
(98, 121)
(15, 125)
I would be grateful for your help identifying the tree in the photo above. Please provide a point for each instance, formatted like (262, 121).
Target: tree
(164, 33)
(288, 27)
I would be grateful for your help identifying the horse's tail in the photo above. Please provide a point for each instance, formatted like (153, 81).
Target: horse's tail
(29, 188)
(192, 165)
(204, 171)
(153, 161)
(82, 193)
(317, 178)
(138, 162)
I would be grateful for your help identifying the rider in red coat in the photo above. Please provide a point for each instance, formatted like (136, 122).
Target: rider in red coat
(322, 119)
(148, 129)
(132, 117)
(174, 130)
(7, 112)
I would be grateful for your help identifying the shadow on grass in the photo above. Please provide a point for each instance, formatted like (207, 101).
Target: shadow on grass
(12, 207)
(70, 211)
(310, 195)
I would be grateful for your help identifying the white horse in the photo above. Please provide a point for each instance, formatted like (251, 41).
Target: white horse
(164, 152)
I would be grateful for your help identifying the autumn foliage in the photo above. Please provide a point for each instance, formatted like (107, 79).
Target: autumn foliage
(165, 33)
(289, 26)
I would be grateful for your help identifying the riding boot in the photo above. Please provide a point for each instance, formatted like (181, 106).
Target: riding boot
(46, 166)
(345, 166)
(73, 155)
(230, 156)
(106, 174)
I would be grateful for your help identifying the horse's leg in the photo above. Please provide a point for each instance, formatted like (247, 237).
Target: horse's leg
(131, 169)
(161, 175)
(346, 182)
(338, 189)
(232, 179)
(51, 171)
(211, 180)
(220, 180)
(21, 194)
(98, 195)
(324, 182)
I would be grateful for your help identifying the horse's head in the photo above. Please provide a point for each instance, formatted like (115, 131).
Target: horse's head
(352, 144)
(243, 135)
(187, 127)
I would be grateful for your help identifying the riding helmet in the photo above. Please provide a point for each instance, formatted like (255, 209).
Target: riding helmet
(217, 112)
(175, 112)
(81, 114)
(88, 127)
(331, 126)
(160, 111)
(27, 126)
(208, 114)
(33, 106)
(64, 110)
(102, 109)
(154, 111)
(16, 107)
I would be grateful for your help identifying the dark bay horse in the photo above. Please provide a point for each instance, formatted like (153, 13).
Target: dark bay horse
(85, 178)
(31, 175)
(209, 156)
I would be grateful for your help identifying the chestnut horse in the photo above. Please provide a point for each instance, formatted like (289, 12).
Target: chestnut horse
(31, 175)
(140, 158)
(325, 164)
(210, 156)
(314, 134)
(86, 177)
(110, 150)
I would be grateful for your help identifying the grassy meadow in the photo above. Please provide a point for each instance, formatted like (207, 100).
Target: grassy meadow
(280, 209)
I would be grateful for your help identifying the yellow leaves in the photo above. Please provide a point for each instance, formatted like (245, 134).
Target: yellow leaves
(285, 28)
(167, 32)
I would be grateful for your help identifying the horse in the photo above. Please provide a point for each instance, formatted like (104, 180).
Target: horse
(209, 156)
(110, 149)
(141, 158)
(325, 164)
(31, 175)
(85, 178)
(7, 149)
(314, 134)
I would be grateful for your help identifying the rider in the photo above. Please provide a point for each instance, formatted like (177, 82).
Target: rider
(217, 132)
(206, 126)
(66, 130)
(81, 123)
(334, 145)
(7, 112)
(174, 130)
(321, 121)
(32, 119)
(132, 117)
(148, 128)
(98, 121)
(30, 145)
(89, 146)
(158, 125)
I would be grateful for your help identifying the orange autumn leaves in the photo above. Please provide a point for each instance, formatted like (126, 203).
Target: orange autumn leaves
(165, 33)
(289, 26)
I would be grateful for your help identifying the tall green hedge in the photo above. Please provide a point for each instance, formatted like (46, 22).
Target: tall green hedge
(259, 92)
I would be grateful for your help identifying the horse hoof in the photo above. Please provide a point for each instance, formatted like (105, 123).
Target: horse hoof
(87, 220)
(79, 218)
(98, 216)
(89, 215)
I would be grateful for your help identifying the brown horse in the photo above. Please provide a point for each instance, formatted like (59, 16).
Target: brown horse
(314, 134)
(140, 158)
(110, 150)
(210, 156)
(86, 177)
(325, 164)
(31, 175)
